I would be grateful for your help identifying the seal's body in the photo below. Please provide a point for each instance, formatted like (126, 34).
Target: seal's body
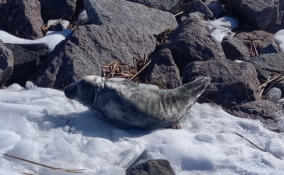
(130, 104)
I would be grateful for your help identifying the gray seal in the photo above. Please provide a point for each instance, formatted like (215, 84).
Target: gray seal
(136, 105)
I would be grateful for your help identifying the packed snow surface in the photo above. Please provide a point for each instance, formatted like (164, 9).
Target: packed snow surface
(41, 125)
(223, 27)
(279, 37)
(51, 40)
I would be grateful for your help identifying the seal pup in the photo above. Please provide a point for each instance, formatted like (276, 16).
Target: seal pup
(136, 105)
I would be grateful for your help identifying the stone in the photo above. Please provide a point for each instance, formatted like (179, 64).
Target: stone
(151, 167)
(6, 64)
(261, 14)
(58, 9)
(89, 48)
(231, 82)
(274, 94)
(165, 5)
(266, 111)
(163, 71)
(192, 41)
(268, 64)
(198, 6)
(264, 41)
(235, 49)
(22, 18)
(26, 59)
(216, 8)
(125, 13)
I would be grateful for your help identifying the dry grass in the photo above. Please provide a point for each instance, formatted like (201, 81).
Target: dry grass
(266, 86)
(46, 166)
(118, 69)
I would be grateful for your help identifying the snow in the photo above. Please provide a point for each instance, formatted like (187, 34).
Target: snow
(63, 23)
(279, 37)
(51, 40)
(41, 125)
(222, 27)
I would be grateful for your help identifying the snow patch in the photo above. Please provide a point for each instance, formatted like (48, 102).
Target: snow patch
(51, 40)
(222, 27)
(42, 125)
(279, 37)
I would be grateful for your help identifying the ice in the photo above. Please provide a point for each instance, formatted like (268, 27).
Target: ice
(279, 37)
(51, 40)
(41, 125)
(222, 27)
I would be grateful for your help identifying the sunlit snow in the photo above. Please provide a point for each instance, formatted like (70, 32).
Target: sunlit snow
(41, 125)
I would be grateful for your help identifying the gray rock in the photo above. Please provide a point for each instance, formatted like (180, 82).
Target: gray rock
(198, 6)
(262, 14)
(192, 41)
(266, 111)
(268, 64)
(26, 60)
(235, 49)
(22, 18)
(165, 5)
(264, 41)
(274, 94)
(216, 7)
(231, 82)
(163, 71)
(151, 167)
(6, 63)
(89, 48)
(58, 9)
(125, 13)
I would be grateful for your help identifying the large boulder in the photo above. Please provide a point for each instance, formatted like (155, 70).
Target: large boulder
(266, 111)
(26, 59)
(6, 63)
(264, 41)
(268, 64)
(192, 41)
(261, 14)
(151, 167)
(89, 48)
(198, 6)
(163, 71)
(125, 13)
(58, 9)
(165, 5)
(22, 18)
(231, 82)
(235, 49)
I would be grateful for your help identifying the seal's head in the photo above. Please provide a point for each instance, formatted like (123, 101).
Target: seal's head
(85, 89)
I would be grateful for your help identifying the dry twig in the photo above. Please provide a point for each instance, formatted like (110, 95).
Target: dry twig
(46, 166)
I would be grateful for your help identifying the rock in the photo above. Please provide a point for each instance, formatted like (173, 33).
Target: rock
(216, 8)
(274, 94)
(6, 63)
(235, 49)
(163, 71)
(165, 5)
(26, 60)
(125, 13)
(192, 41)
(266, 111)
(268, 64)
(151, 167)
(231, 82)
(22, 18)
(265, 41)
(58, 9)
(261, 14)
(89, 48)
(198, 6)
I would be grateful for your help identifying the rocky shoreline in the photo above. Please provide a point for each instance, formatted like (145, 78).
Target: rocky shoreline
(246, 65)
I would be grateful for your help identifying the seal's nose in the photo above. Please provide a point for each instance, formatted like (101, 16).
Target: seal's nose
(70, 91)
